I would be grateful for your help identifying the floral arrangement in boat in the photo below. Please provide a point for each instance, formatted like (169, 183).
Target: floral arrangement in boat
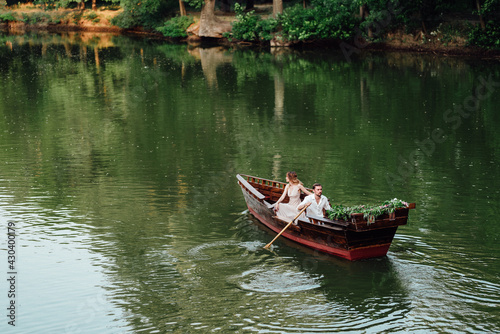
(340, 212)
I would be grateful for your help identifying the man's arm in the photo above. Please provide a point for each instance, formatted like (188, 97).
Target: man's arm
(327, 205)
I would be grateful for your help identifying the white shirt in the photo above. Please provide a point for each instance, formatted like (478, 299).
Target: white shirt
(316, 209)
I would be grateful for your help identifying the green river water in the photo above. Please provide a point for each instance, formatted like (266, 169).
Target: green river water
(118, 159)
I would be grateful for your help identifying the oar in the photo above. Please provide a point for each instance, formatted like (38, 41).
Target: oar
(283, 230)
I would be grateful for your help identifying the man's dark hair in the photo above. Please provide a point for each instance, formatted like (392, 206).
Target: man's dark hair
(316, 185)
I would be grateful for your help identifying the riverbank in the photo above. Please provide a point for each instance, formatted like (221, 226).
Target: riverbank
(446, 40)
(31, 18)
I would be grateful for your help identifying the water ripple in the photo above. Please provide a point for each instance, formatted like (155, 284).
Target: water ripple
(275, 280)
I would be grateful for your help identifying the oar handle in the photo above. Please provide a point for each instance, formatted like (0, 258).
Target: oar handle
(290, 223)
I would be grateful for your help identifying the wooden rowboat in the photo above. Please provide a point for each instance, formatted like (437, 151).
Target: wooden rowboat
(354, 239)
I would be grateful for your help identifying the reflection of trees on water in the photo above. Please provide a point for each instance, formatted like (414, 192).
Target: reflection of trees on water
(325, 93)
(279, 96)
(335, 100)
(211, 59)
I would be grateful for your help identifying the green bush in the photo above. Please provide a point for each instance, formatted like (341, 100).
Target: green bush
(77, 17)
(298, 24)
(196, 4)
(56, 19)
(251, 27)
(176, 26)
(267, 28)
(245, 25)
(6, 17)
(326, 20)
(34, 18)
(92, 16)
(126, 20)
(488, 38)
(145, 13)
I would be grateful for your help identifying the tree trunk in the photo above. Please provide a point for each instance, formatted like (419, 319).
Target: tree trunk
(422, 19)
(208, 10)
(210, 25)
(94, 4)
(277, 8)
(182, 8)
(481, 19)
(363, 13)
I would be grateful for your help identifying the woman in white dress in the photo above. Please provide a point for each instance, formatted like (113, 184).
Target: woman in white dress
(288, 211)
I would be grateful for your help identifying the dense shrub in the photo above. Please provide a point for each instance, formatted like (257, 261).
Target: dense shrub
(145, 13)
(267, 28)
(298, 24)
(335, 18)
(251, 27)
(487, 38)
(176, 27)
(34, 18)
(6, 17)
(92, 16)
(126, 20)
(326, 20)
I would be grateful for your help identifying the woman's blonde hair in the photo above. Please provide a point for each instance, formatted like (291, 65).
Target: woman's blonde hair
(292, 177)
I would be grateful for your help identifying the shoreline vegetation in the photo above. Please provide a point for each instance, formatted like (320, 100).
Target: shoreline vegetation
(451, 34)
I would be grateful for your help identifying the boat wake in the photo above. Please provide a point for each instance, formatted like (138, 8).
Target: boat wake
(275, 280)
(202, 252)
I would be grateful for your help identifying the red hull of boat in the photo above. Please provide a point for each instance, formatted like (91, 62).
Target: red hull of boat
(352, 255)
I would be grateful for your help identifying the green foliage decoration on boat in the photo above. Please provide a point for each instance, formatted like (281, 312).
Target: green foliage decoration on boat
(340, 211)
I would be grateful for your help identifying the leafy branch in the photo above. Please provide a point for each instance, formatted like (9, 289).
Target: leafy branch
(342, 212)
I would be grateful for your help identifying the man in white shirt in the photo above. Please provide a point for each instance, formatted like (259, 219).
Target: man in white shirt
(319, 203)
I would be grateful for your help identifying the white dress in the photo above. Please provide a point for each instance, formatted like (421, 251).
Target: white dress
(288, 211)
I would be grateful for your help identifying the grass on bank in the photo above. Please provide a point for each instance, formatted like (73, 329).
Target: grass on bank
(39, 15)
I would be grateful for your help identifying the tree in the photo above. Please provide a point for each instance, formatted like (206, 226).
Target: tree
(277, 8)
(182, 8)
(487, 10)
(481, 20)
(210, 24)
(144, 13)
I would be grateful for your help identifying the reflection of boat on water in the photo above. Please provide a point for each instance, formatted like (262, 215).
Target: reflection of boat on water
(364, 292)
(354, 239)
